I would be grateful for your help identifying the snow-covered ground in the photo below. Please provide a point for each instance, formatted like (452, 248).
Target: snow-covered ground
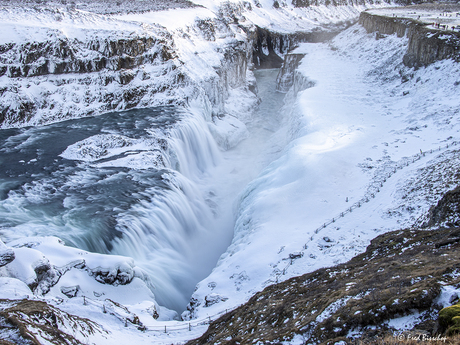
(362, 142)
(428, 13)
(369, 154)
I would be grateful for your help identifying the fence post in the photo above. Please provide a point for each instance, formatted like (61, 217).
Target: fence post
(189, 327)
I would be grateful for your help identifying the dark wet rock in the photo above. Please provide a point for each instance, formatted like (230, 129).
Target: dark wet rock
(6, 255)
(46, 277)
(70, 291)
(214, 298)
(447, 211)
(114, 275)
(286, 75)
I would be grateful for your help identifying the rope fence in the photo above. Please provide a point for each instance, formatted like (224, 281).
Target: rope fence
(380, 177)
(379, 180)
(168, 326)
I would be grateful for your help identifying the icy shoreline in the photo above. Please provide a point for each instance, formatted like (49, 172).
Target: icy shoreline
(361, 118)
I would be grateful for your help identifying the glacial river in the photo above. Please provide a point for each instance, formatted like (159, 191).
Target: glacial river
(146, 183)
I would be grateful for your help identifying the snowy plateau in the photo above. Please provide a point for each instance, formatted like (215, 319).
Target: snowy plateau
(164, 163)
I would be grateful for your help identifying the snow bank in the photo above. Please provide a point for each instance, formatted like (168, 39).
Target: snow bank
(366, 129)
(212, 65)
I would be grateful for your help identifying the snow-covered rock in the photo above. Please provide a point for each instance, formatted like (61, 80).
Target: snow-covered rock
(6, 254)
(228, 131)
(370, 141)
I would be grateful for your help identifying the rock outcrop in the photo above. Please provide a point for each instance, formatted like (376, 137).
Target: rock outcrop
(447, 211)
(36, 322)
(401, 272)
(6, 254)
(286, 76)
(270, 47)
(426, 45)
(64, 78)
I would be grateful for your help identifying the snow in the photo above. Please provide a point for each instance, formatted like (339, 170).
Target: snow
(172, 19)
(228, 131)
(407, 322)
(139, 153)
(13, 288)
(331, 309)
(449, 295)
(350, 138)
(356, 141)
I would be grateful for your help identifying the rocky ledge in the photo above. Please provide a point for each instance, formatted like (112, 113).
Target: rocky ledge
(429, 39)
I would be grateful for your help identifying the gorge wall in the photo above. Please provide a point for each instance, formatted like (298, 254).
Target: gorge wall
(92, 71)
(107, 64)
(63, 78)
(426, 45)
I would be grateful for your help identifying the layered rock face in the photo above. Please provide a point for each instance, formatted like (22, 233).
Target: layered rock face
(425, 46)
(269, 47)
(73, 56)
(64, 77)
(289, 79)
(116, 64)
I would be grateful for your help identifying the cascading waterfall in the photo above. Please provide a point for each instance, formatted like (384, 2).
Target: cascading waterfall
(173, 234)
(127, 184)
(150, 184)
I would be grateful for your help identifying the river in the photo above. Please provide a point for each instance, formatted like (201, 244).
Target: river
(150, 184)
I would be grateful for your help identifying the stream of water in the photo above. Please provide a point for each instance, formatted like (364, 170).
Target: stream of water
(147, 183)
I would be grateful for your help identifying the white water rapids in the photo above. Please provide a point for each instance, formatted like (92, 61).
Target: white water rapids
(117, 192)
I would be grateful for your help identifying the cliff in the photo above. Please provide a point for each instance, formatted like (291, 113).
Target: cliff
(426, 45)
(78, 63)
(269, 47)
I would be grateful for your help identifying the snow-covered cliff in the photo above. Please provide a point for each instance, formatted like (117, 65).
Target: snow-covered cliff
(372, 145)
(427, 43)
(326, 155)
(60, 62)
